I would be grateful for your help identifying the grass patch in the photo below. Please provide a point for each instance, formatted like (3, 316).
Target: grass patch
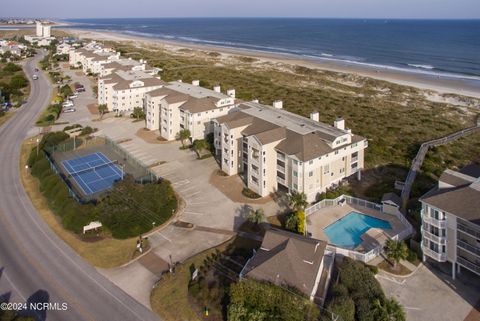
(169, 299)
(398, 270)
(5, 117)
(105, 253)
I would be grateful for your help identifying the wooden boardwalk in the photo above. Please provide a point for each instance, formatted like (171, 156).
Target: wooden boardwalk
(418, 160)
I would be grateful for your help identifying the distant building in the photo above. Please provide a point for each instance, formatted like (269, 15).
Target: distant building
(179, 106)
(273, 149)
(288, 259)
(451, 220)
(42, 36)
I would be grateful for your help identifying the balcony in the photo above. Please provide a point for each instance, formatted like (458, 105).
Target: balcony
(433, 221)
(281, 169)
(470, 231)
(354, 159)
(432, 237)
(440, 257)
(281, 180)
(469, 265)
(467, 247)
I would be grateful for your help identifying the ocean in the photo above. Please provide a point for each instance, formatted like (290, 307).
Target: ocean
(449, 48)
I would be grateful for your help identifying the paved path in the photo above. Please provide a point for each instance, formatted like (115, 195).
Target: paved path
(418, 160)
(35, 265)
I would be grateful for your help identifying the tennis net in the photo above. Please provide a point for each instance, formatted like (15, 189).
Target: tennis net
(93, 169)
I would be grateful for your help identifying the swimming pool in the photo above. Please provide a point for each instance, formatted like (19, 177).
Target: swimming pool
(346, 232)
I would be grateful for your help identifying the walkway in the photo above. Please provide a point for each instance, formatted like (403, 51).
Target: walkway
(418, 160)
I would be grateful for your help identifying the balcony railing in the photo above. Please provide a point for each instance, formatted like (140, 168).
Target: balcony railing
(469, 265)
(433, 221)
(468, 247)
(433, 237)
(354, 159)
(281, 168)
(440, 257)
(464, 228)
(281, 180)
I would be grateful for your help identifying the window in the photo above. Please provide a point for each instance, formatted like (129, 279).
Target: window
(342, 170)
(311, 162)
(336, 152)
(326, 169)
(310, 174)
(295, 174)
(295, 162)
(343, 158)
(295, 186)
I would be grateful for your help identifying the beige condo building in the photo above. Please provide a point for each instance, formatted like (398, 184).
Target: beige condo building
(179, 106)
(122, 90)
(273, 149)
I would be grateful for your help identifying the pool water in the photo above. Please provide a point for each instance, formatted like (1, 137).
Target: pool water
(346, 232)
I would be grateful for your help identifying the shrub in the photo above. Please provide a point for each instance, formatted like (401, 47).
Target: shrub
(249, 193)
(343, 307)
(18, 82)
(86, 131)
(10, 68)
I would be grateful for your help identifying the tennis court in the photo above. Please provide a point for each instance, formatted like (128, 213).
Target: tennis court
(93, 172)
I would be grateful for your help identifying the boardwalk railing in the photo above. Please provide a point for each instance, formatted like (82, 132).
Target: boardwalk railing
(418, 160)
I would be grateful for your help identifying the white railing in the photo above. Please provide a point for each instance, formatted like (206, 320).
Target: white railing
(280, 168)
(433, 221)
(364, 257)
(440, 257)
(433, 237)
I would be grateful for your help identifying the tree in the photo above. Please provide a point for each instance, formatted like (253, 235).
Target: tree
(256, 216)
(296, 222)
(11, 68)
(65, 91)
(200, 145)
(102, 109)
(389, 310)
(297, 200)
(183, 135)
(395, 251)
(18, 82)
(138, 113)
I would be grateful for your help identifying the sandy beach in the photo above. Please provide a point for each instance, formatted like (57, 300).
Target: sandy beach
(442, 85)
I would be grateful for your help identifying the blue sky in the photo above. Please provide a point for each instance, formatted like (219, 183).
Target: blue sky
(452, 9)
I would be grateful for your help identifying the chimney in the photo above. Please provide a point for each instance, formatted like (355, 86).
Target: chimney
(196, 82)
(216, 88)
(339, 123)
(314, 116)
(179, 80)
(231, 93)
(278, 104)
(255, 101)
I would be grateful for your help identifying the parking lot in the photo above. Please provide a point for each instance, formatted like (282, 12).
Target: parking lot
(431, 294)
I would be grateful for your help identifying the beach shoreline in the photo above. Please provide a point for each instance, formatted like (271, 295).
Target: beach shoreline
(425, 81)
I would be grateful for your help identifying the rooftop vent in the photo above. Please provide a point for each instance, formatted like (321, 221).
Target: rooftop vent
(216, 88)
(278, 104)
(196, 82)
(314, 116)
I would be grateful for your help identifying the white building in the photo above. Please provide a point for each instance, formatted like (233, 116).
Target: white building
(451, 220)
(179, 106)
(274, 149)
(122, 91)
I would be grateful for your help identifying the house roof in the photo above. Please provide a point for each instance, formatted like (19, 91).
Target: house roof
(290, 259)
(462, 200)
(392, 198)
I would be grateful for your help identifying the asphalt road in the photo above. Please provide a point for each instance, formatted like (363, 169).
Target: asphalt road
(35, 265)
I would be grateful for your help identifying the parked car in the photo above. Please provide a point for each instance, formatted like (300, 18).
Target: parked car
(69, 110)
(80, 90)
(72, 96)
(36, 69)
(35, 77)
(68, 104)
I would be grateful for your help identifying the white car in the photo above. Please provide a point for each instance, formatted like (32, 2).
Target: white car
(35, 77)
(69, 110)
(68, 104)
(73, 96)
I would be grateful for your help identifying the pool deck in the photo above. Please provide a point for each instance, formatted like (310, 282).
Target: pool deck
(319, 220)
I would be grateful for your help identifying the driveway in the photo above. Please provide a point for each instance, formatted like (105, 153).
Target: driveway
(431, 294)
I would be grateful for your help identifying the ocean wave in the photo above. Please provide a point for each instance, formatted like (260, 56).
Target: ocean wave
(411, 68)
(429, 67)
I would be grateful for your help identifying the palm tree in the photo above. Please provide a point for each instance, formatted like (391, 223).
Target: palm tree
(200, 145)
(138, 113)
(297, 201)
(183, 135)
(256, 216)
(389, 310)
(102, 109)
(395, 251)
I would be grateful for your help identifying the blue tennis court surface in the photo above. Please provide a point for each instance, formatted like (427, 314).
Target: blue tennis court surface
(93, 173)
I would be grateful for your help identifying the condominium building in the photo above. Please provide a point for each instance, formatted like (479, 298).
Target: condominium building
(127, 65)
(273, 149)
(451, 220)
(91, 57)
(122, 91)
(179, 106)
